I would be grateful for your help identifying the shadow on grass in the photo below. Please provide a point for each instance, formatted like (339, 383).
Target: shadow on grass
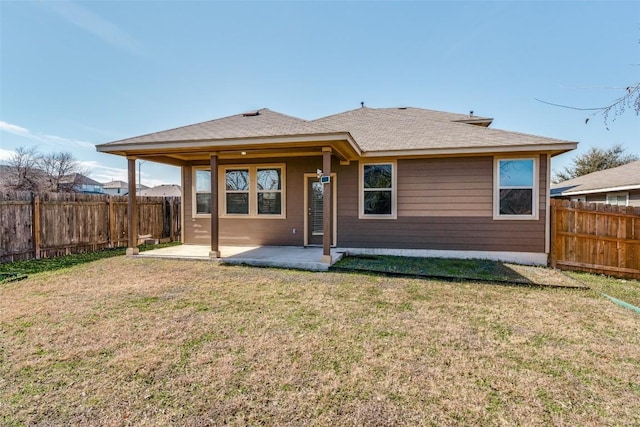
(476, 270)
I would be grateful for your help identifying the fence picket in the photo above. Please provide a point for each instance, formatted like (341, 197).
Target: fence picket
(52, 224)
(596, 238)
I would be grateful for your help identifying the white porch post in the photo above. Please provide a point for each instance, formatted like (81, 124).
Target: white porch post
(327, 215)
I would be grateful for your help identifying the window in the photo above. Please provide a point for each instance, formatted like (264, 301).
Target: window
(237, 191)
(245, 191)
(269, 189)
(619, 199)
(377, 190)
(203, 192)
(516, 189)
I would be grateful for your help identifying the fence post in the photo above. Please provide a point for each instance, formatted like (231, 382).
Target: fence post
(112, 219)
(36, 225)
(172, 233)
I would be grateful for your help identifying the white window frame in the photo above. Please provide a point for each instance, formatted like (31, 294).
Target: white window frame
(616, 195)
(535, 205)
(393, 189)
(253, 190)
(194, 201)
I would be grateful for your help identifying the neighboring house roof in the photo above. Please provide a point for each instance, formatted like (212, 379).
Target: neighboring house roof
(621, 178)
(77, 178)
(115, 184)
(356, 133)
(168, 190)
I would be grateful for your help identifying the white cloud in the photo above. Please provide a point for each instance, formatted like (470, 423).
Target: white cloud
(41, 137)
(82, 17)
(102, 173)
(14, 129)
(5, 154)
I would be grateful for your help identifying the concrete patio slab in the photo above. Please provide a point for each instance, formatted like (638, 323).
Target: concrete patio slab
(297, 257)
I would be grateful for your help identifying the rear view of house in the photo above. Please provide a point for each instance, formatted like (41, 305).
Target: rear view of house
(370, 180)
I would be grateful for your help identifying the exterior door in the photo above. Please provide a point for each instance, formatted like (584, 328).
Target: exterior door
(314, 205)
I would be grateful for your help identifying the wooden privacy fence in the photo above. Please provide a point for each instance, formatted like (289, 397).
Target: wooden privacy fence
(596, 238)
(53, 224)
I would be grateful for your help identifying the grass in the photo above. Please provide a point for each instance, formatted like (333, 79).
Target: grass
(124, 341)
(434, 267)
(18, 269)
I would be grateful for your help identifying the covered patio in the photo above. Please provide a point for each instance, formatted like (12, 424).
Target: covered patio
(296, 257)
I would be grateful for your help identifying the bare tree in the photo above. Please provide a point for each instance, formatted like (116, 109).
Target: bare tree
(630, 100)
(56, 166)
(29, 170)
(22, 172)
(595, 159)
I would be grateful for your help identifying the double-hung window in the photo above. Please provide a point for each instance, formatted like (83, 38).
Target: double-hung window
(245, 191)
(620, 198)
(378, 192)
(202, 192)
(516, 188)
(236, 182)
(269, 191)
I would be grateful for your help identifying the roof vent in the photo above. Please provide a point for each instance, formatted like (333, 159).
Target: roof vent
(251, 113)
(402, 108)
(471, 113)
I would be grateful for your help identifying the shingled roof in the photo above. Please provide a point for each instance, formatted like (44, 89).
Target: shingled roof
(371, 131)
(625, 177)
(395, 129)
(253, 124)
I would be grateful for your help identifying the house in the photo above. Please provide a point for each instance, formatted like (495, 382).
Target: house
(371, 180)
(615, 186)
(78, 183)
(165, 190)
(116, 188)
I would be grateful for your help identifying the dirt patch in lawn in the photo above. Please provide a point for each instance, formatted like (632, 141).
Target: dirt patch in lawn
(167, 342)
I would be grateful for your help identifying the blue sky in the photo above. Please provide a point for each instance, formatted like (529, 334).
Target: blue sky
(78, 73)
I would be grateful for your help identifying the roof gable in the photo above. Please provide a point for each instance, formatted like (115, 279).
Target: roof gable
(621, 177)
(259, 123)
(395, 129)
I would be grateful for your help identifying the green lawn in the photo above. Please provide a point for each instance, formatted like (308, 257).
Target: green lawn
(123, 341)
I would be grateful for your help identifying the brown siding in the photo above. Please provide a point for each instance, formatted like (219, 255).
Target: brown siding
(257, 231)
(427, 181)
(445, 187)
(443, 204)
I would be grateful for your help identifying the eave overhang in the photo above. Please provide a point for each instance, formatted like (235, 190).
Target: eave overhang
(552, 149)
(179, 153)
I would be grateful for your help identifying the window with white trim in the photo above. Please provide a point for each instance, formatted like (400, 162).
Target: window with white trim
(377, 190)
(516, 188)
(202, 191)
(620, 198)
